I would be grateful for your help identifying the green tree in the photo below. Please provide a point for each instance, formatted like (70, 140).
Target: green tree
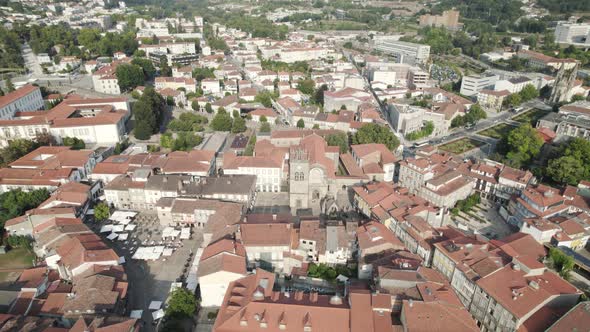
(523, 144)
(9, 85)
(306, 86)
(318, 95)
(195, 105)
(265, 98)
(14, 203)
(149, 113)
(222, 121)
(239, 125)
(338, 139)
(561, 262)
(129, 76)
(74, 142)
(300, 123)
(566, 170)
(528, 92)
(375, 133)
(146, 65)
(263, 118)
(181, 304)
(102, 212)
(265, 127)
(16, 149)
(514, 100)
(208, 108)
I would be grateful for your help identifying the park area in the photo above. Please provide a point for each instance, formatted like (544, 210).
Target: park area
(531, 116)
(498, 132)
(461, 145)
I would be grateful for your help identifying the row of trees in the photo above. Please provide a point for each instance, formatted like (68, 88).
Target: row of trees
(529, 92)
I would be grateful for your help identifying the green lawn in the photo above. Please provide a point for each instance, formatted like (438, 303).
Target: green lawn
(531, 116)
(497, 131)
(461, 145)
(19, 258)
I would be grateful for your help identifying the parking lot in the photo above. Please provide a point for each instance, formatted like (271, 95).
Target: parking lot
(151, 280)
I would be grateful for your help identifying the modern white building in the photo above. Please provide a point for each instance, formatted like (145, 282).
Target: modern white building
(472, 84)
(404, 52)
(573, 33)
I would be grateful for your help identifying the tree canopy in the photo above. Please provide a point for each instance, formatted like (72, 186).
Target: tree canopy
(102, 212)
(338, 139)
(129, 76)
(524, 143)
(572, 163)
(222, 121)
(14, 203)
(74, 142)
(181, 303)
(149, 113)
(375, 133)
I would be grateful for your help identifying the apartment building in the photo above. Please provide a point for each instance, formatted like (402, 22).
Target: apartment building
(491, 100)
(471, 85)
(23, 99)
(404, 52)
(570, 230)
(104, 80)
(196, 163)
(142, 190)
(406, 119)
(536, 201)
(500, 305)
(497, 181)
(435, 179)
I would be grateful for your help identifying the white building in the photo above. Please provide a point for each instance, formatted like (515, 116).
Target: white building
(26, 98)
(211, 86)
(95, 121)
(573, 33)
(404, 52)
(472, 84)
(513, 85)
